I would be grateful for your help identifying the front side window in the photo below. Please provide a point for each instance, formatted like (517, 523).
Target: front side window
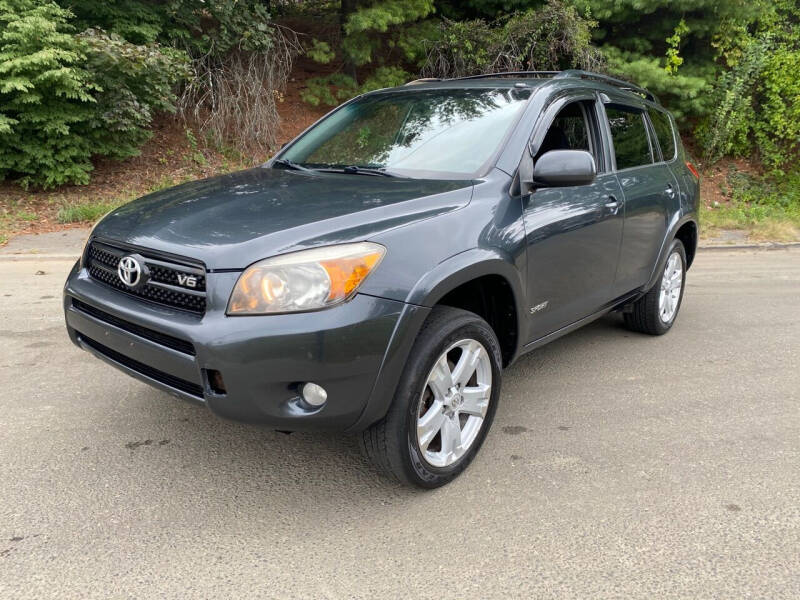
(569, 131)
(663, 129)
(422, 133)
(629, 136)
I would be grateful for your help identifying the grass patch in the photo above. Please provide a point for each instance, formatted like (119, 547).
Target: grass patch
(12, 215)
(769, 209)
(85, 213)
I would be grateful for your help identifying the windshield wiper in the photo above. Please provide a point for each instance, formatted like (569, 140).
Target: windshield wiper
(290, 164)
(356, 170)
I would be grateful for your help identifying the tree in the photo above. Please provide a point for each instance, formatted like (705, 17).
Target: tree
(65, 97)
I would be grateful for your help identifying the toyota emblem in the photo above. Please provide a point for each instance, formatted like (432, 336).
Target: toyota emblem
(129, 271)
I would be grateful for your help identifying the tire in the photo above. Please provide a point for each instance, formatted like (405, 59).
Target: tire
(394, 443)
(648, 313)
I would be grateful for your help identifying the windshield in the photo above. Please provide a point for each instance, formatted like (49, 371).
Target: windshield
(424, 133)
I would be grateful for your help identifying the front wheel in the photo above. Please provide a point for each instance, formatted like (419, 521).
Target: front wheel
(444, 404)
(655, 312)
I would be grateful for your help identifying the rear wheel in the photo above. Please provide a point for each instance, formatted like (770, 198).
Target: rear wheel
(444, 404)
(655, 312)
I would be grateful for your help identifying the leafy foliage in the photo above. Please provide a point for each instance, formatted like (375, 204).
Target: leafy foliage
(550, 38)
(79, 79)
(758, 100)
(67, 97)
(133, 83)
(338, 87)
(198, 26)
(674, 59)
(319, 51)
(769, 208)
(361, 26)
(330, 90)
(684, 93)
(45, 95)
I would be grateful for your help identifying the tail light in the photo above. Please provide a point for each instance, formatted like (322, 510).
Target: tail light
(692, 168)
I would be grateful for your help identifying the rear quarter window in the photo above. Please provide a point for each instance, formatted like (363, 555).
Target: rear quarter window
(664, 133)
(629, 136)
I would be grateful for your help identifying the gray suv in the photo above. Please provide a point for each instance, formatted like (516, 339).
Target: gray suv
(379, 273)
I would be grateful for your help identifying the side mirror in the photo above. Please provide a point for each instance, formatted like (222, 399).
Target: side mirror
(561, 168)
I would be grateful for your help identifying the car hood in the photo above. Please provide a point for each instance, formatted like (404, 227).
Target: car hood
(231, 221)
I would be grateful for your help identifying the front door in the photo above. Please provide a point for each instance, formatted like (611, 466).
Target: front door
(573, 233)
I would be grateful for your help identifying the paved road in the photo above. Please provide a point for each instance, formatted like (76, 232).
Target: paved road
(618, 466)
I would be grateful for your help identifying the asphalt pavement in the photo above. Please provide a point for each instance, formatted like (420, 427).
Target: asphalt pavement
(619, 465)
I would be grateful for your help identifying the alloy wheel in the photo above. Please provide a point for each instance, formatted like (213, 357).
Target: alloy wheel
(671, 284)
(454, 403)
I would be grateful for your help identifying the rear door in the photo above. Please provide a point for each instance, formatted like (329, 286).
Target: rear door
(573, 233)
(665, 133)
(648, 188)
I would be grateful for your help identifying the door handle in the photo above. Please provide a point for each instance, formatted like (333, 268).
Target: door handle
(612, 205)
(670, 191)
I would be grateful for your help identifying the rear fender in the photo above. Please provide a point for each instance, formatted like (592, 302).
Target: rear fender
(678, 222)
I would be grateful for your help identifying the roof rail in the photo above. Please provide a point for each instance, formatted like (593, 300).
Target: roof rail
(422, 80)
(508, 74)
(620, 83)
(569, 73)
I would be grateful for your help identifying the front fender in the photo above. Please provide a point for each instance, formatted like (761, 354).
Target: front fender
(464, 267)
(431, 288)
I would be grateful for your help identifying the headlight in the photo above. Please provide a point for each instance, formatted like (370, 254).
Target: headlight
(304, 280)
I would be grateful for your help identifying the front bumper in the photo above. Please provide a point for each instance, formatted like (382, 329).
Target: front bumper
(262, 359)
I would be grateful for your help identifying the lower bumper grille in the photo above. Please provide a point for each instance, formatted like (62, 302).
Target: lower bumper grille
(165, 378)
(149, 334)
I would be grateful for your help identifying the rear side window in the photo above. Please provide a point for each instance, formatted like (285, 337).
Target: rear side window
(664, 133)
(629, 135)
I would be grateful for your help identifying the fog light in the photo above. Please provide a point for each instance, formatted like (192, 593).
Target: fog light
(314, 394)
(216, 383)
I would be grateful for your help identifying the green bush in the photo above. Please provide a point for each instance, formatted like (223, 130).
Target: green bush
(66, 97)
(385, 77)
(134, 82)
(777, 131)
(201, 27)
(334, 89)
(329, 90)
(551, 37)
(757, 100)
(685, 92)
(45, 95)
(766, 205)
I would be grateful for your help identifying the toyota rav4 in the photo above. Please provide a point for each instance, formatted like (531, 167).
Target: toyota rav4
(382, 270)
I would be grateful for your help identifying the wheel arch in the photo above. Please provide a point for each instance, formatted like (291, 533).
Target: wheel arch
(687, 233)
(482, 281)
(446, 282)
(682, 229)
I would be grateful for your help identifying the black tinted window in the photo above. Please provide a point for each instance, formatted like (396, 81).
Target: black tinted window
(629, 136)
(568, 131)
(663, 129)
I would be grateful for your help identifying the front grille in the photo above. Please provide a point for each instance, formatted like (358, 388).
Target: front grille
(169, 380)
(149, 334)
(163, 287)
